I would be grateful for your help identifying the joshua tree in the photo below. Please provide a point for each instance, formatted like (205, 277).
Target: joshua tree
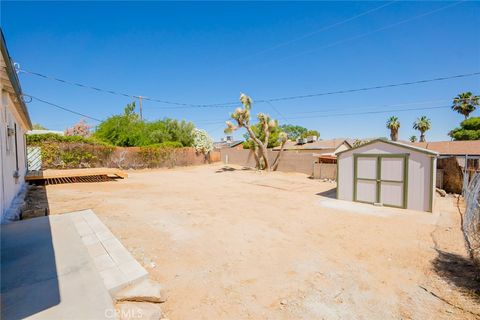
(393, 124)
(422, 124)
(241, 115)
(413, 139)
(465, 103)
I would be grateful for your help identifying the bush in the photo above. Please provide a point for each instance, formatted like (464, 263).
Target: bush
(469, 130)
(38, 139)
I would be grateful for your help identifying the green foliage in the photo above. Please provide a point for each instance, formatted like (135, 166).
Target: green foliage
(469, 130)
(422, 124)
(413, 139)
(293, 131)
(127, 130)
(465, 103)
(310, 133)
(38, 139)
(38, 126)
(273, 139)
(155, 156)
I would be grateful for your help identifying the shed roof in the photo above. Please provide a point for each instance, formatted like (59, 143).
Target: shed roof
(395, 143)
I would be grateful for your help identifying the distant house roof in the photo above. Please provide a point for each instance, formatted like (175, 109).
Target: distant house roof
(226, 144)
(11, 83)
(453, 148)
(316, 145)
(61, 133)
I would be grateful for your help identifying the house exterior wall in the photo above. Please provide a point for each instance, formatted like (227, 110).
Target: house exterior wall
(11, 179)
(419, 186)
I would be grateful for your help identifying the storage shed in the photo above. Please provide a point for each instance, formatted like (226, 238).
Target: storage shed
(387, 173)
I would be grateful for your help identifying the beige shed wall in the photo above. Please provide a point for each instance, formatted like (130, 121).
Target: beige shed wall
(419, 173)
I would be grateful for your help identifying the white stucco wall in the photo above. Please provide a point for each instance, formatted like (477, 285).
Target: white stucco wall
(9, 185)
(419, 173)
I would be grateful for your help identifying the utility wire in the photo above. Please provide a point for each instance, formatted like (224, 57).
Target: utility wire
(62, 108)
(232, 103)
(366, 33)
(117, 93)
(325, 28)
(391, 85)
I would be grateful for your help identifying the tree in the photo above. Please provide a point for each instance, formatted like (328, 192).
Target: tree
(393, 124)
(128, 130)
(241, 116)
(293, 131)
(202, 141)
(465, 103)
(310, 133)
(422, 124)
(469, 130)
(273, 138)
(38, 126)
(413, 139)
(81, 128)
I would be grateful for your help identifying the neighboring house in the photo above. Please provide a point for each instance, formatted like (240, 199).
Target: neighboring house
(319, 147)
(60, 133)
(452, 174)
(228, 143)
(14, 123)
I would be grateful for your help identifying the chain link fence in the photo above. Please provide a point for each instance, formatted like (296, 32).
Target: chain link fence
(471, 219)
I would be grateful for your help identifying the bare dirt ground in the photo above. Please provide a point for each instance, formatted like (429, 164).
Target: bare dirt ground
(228, 243)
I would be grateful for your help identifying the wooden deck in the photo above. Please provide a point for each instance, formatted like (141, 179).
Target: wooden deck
(51, 176)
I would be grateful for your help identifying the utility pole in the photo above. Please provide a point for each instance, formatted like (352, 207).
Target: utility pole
(141, 113)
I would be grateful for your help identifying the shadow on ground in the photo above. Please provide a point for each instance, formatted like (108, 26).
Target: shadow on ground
(230, 169)
(331, 193)
(459, 271)
(28, 269)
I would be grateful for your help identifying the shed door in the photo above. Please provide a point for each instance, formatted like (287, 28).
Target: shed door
(381, 179)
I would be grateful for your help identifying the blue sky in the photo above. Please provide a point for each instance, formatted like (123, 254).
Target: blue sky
(206, 53)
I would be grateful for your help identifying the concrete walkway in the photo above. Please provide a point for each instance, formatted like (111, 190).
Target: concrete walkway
(63, 267)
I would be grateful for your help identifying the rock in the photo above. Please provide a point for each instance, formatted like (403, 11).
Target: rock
(144, 291)
(441, 192)
(284, 302)
(139, 310)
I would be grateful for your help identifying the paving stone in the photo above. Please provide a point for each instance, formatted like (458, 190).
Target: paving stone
(96, 249)
(144, 291)
(104, 262)
(90, 239)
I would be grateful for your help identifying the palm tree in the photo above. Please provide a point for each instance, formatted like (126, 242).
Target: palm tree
(413, 139)
(422, 124)
(465, 103)
(393, 124)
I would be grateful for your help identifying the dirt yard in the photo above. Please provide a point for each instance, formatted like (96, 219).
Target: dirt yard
(229, 243)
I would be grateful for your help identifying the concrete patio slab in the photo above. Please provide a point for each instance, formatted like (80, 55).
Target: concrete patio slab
(47, 272)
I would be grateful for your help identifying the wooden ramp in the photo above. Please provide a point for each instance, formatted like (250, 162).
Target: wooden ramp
(51, 176)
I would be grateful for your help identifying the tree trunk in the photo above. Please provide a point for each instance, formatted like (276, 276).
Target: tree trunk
(277, 159)
(262, 148)
(422, 136)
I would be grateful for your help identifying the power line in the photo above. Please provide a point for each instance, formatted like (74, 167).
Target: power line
(366, 33)
(391, 85)
(231, 103)
(117, 93)
(62, 108)
(323, 29)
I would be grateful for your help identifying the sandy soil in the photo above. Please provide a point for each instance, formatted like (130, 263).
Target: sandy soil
(229, 243)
